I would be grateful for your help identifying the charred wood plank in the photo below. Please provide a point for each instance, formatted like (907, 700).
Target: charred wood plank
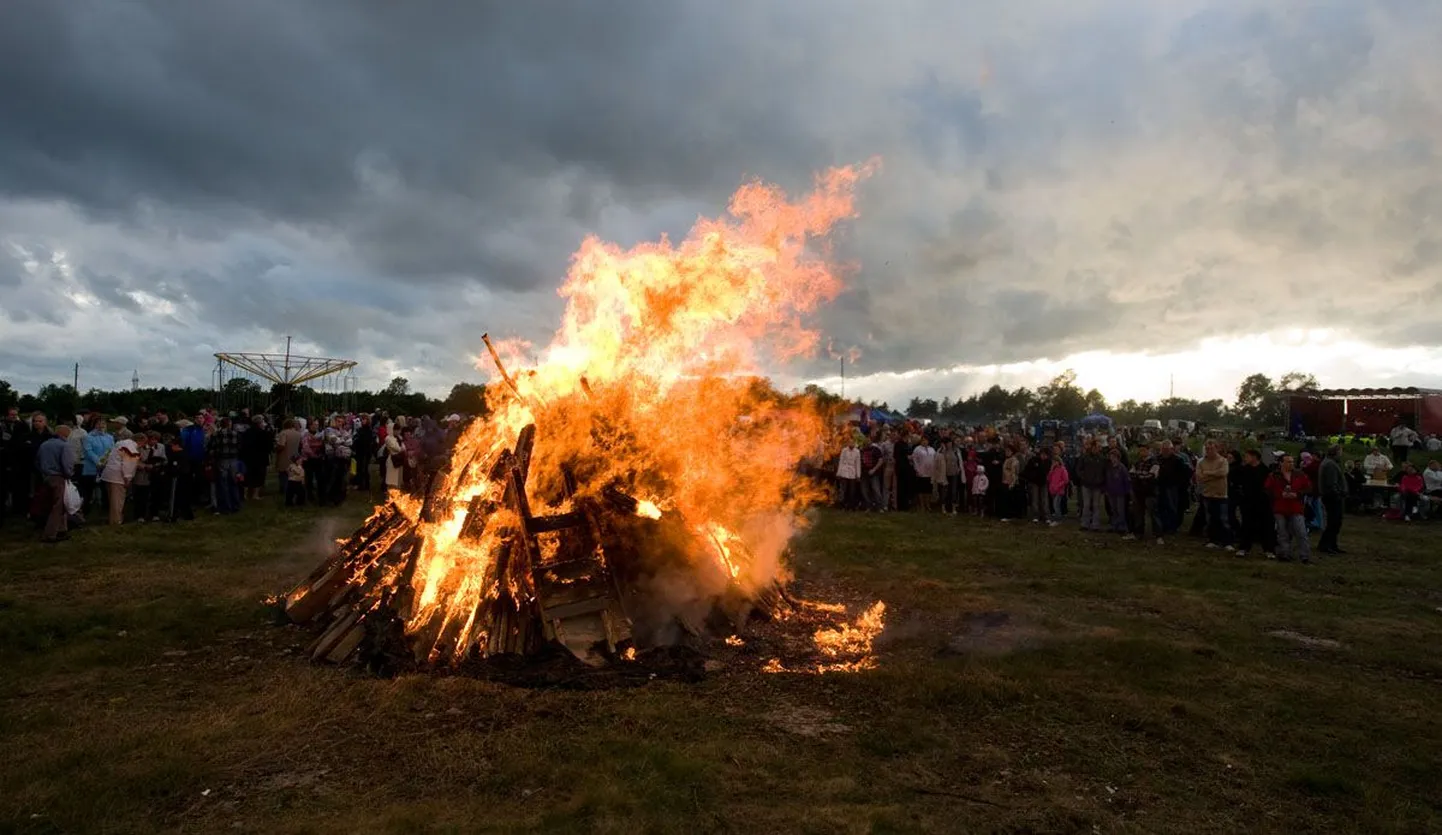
(556, 522)
(500, 366)
(306, 600)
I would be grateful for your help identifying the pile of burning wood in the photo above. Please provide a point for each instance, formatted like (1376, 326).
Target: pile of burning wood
(633, 486)
(593, 579)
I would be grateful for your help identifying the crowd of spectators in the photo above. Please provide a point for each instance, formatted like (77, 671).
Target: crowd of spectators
(1241, 495)
(148, 468)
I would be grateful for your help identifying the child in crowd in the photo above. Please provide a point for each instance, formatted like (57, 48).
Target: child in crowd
(295, 483)
(1057, 481)
(1410, 487)
(979, 485)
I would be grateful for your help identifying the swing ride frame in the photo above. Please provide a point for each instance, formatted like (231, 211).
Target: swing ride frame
(285, 372)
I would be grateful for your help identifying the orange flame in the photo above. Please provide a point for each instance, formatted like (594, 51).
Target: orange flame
(653, 382)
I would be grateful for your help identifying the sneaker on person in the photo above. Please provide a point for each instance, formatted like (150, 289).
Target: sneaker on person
(1052, 524)
(1228, 548)
(1160, 542)
(1127, 537)
(1211, 545)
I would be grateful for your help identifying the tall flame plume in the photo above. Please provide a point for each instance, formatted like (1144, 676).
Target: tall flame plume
(653, 383)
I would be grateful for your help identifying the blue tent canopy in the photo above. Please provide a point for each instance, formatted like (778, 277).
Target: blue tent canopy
(1096, 420)
(863, 414)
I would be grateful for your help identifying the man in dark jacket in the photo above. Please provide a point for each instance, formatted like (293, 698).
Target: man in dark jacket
(992, 459)
(363, 448)
(16, 459)
(1091, 473)
(1034, 474)
(1173, 478)
(1254, 506)
(1333, 490)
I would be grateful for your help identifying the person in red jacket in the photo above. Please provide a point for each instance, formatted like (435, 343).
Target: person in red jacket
(1410, 487)
(1287, 487)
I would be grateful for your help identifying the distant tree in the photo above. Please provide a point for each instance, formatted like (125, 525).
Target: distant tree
(397, 387)
(995, 402)
(466, 398)
(1259, 400)
(1095, 402)
(1297, 381)
(1061, 398)
(1026, 402)
(8, 395)
(1128, 412)
(824, 400)
(922, 409)
(1255, 397)
(59, 400)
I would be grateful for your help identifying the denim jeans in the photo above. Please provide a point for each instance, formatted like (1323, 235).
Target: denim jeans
(1038, 501)
(1117, 511)
(1169, 509)
(1218, 531)
(871, 492)
(227, 492)
(1092, 500)
(1292, 535)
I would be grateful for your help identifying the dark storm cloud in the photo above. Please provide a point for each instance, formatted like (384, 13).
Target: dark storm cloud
(388, 180)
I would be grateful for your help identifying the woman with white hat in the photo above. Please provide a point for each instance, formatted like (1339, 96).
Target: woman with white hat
(119, 469)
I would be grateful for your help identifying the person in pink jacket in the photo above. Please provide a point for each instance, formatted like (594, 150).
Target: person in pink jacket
(1057, 481)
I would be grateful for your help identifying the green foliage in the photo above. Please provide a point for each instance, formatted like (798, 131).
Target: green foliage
(1061, 398)
(923, 409)
(466, 399)
(1263, 402)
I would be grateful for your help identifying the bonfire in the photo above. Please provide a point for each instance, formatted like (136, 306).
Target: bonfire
(634, 485)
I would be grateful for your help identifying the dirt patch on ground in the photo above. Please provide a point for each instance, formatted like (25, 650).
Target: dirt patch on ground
(1305, 640)
(807, 721)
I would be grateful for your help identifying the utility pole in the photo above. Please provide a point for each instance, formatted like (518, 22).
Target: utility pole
(135, 380)
(77, 378)
(843, 378)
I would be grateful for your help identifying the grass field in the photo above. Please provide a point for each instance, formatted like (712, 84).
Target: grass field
(1029, 680)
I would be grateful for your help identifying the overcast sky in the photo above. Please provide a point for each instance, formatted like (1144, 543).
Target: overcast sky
(1186, 190)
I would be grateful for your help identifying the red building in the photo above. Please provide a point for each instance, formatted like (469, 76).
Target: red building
(1364, 411)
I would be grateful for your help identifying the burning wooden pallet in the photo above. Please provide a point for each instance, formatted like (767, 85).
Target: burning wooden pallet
(594, 578)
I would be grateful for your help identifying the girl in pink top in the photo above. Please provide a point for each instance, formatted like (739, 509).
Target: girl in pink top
(1056, 483)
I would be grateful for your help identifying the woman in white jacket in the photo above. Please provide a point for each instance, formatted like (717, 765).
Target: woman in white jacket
(119, 469)
(848, 475)
(395, 460)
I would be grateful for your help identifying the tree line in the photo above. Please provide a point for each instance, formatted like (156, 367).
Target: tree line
(1260, 401)
(63, 401)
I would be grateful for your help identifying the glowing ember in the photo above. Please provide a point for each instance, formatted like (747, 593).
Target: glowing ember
(648, 509)
(852, 639)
